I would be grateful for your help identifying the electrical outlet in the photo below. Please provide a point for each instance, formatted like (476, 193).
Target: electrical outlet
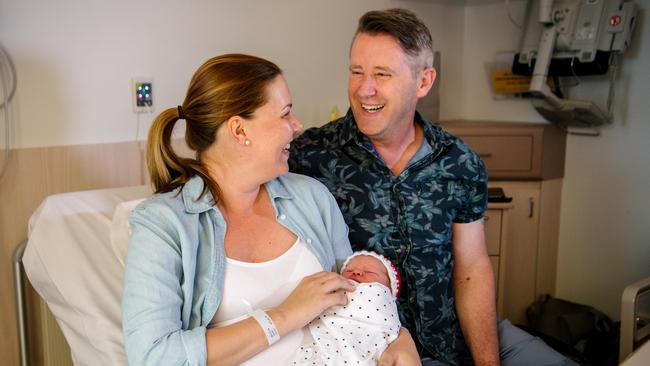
(142, 95)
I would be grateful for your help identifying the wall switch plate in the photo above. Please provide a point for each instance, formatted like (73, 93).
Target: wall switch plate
(142, 95)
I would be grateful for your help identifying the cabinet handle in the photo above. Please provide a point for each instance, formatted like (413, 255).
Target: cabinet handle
(486, 217)
(531, 205)
(485, 155)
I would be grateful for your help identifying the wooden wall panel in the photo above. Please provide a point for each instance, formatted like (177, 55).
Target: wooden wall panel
(32, 175)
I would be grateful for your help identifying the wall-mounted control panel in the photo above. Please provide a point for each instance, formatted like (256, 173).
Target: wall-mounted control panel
(142, 95)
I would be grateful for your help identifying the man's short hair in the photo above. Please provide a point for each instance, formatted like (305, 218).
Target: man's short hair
(403, 25)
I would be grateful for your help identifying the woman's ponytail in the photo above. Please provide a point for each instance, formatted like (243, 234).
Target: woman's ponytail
(166, 169)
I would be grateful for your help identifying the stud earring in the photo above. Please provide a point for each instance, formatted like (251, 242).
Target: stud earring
(247, 142)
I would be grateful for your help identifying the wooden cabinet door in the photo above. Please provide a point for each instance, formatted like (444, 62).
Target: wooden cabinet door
(521, 256)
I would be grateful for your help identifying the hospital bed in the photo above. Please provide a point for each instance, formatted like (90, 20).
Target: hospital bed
(74, 259)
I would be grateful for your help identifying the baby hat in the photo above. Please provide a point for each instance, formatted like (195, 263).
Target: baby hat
(393, 274)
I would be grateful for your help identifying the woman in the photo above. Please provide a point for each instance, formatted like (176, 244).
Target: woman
(231, 233)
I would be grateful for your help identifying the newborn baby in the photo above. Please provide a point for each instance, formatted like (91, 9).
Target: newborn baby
(360, 331)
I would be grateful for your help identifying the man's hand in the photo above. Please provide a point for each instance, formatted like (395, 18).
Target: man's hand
(401, 352)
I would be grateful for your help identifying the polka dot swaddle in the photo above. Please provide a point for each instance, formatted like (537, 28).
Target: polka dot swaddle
(355, 334)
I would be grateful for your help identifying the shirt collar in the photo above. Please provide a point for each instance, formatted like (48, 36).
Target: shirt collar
(350, 130)
(437, 138)
(195, 203)
(433, 134)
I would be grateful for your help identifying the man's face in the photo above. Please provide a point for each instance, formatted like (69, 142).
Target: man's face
(382, 88)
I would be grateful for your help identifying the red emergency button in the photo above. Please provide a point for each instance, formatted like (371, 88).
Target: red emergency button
(614, 20)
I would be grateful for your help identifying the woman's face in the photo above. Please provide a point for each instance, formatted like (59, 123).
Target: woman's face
(364, 269)
(271, 129)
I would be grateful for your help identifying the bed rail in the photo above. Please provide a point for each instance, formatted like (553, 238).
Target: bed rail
(635, 316)
(20, 300)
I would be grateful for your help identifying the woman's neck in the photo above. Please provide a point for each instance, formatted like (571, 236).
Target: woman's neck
(239, 187)
(238, 193)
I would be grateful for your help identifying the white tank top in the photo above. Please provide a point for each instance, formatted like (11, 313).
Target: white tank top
(266, 285)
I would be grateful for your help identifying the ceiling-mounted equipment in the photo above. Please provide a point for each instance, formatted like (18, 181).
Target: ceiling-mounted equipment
(571, 38)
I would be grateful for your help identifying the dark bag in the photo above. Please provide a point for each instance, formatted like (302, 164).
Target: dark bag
(583, 327)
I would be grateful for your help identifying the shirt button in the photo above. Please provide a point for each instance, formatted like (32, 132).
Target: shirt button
(283, 216)
(308, 240)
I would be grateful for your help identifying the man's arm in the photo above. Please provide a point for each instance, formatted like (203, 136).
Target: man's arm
(475, 293)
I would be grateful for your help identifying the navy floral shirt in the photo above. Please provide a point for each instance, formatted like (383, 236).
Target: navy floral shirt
(407, 218)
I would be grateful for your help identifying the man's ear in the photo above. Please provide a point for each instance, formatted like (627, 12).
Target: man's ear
(426, 78)
(236, 129)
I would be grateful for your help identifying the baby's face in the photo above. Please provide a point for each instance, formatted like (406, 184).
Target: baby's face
(364, 269)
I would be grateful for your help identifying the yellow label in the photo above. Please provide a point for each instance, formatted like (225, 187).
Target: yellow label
(505, 82)
(334, 114)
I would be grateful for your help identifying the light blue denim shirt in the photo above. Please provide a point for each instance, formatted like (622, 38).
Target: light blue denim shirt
(175, 267)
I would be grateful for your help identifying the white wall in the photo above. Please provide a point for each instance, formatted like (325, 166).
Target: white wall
(604, 232)
(488, 31)
(76, 58)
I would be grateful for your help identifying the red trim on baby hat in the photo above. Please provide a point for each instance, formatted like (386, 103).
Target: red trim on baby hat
(398, 279)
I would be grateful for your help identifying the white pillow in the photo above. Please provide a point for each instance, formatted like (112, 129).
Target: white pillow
(120, 230)
(71, 263)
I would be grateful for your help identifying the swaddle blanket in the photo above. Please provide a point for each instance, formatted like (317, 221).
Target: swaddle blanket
(357, 333)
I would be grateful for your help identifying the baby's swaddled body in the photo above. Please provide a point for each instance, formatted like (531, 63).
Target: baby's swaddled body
(355, 334)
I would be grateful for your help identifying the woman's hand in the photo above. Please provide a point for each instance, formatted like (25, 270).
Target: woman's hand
(401, 352)
(312, 296)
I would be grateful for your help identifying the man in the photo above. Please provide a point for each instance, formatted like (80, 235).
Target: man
(406, 188)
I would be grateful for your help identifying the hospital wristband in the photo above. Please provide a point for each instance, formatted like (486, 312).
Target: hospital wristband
(267, 325)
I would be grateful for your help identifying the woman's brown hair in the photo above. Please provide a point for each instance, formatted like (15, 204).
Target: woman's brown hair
(224, 86)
